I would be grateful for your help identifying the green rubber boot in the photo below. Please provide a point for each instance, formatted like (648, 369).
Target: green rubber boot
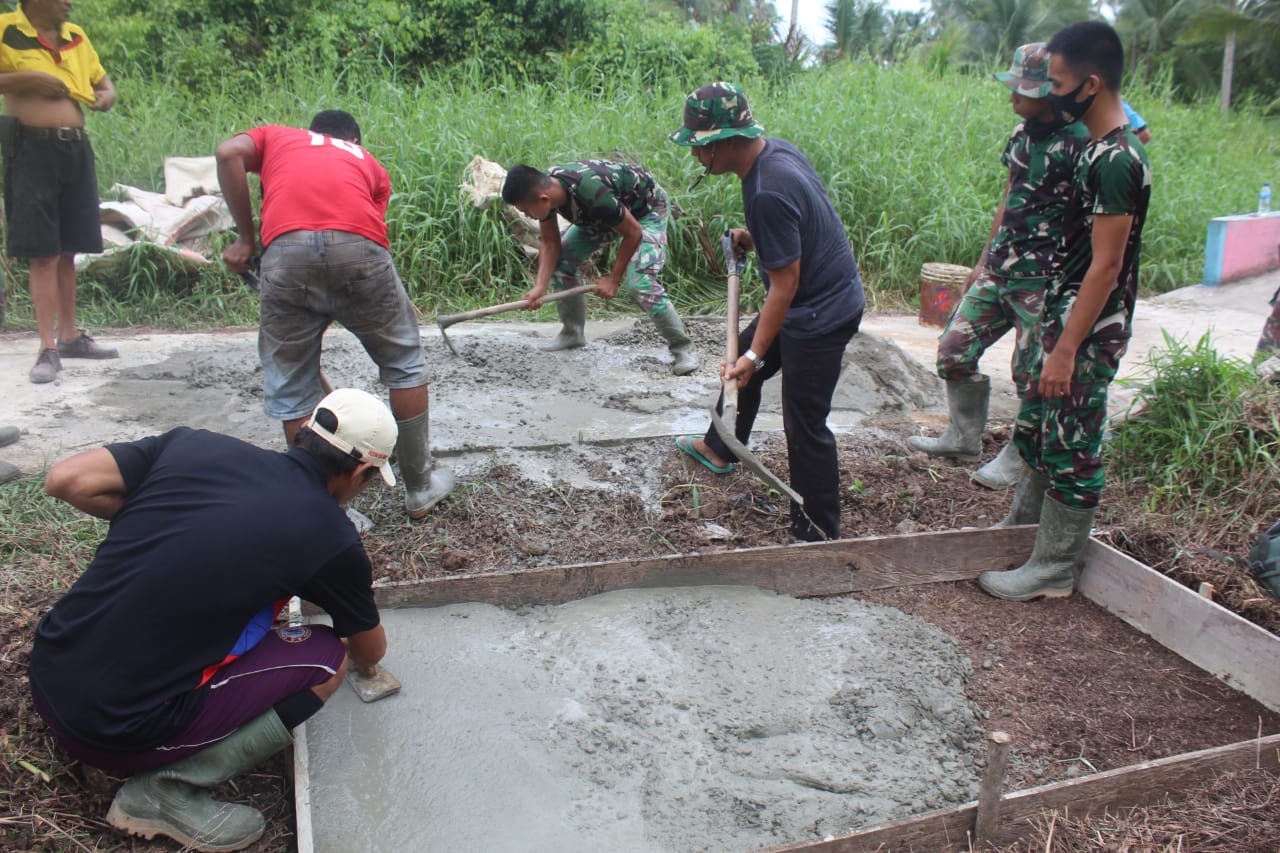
(962, 439)
(425, 485)
(1003, 471)
(681, 345)
(1051, 571)
(573, 322)
(1028, 499)
(173, 800)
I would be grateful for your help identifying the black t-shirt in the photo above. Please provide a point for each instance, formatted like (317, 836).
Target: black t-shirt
(790, 217)
(212, 530)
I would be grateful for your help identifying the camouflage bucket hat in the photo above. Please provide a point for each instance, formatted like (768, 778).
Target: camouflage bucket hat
(716, 111)
(1029, 74)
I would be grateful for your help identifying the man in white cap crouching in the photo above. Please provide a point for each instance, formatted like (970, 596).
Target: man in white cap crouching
(162, 660)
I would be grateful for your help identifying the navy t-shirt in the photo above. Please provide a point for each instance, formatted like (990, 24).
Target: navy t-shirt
(790, 216)
(212, 531)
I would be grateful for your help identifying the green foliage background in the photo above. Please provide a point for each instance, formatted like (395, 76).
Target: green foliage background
(910, 149)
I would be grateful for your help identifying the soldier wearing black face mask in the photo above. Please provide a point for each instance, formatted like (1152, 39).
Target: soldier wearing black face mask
(1087, 318)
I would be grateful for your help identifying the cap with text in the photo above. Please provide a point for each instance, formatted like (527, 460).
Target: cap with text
(366, 430)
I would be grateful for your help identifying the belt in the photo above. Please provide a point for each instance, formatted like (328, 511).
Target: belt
(60, 134)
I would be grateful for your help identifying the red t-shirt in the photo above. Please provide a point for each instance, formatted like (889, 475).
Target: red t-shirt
(313, 182)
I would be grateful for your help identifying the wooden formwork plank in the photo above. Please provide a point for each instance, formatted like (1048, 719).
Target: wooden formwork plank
(819, 568)
(1242, 654)
(302, 790)
(1207, 634)
(1140, 784)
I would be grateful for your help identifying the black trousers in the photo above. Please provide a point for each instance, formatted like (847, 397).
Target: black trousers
(810, 368)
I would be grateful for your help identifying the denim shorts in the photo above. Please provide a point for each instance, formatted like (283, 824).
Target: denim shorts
(312, 278)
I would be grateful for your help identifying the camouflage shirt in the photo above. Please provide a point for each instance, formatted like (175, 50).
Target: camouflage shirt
(601, 191)
(1041, 168)
(1113, 178)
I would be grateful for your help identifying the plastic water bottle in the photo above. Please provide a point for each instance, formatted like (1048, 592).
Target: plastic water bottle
(1264, 199)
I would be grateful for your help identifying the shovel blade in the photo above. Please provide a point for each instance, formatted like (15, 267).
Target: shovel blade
(445, 335)
(724, 428)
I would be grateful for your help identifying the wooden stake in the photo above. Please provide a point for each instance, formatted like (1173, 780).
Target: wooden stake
(988, 819)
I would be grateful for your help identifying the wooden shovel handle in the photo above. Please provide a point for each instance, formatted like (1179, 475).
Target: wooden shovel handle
(731, 300)
(446, 320)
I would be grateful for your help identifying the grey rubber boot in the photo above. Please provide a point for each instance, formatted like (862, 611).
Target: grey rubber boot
(1003, 471)
(425, 485)
(173, 800)
(1051, 571)
(8, 435)
(573, 322)
(963, 436)
(8, 471)
(1028, 499)
(681, 345)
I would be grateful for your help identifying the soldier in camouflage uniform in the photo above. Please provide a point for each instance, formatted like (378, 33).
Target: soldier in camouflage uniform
(602, 200)
(1086, 322)
(1006, 287)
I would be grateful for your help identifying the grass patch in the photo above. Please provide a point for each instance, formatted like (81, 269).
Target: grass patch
(1206, 438)
(911, 159)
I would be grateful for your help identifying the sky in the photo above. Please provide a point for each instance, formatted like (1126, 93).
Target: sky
(813, 15)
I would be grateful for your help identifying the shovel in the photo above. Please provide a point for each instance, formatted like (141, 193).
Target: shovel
(444, 321)
(724, 424)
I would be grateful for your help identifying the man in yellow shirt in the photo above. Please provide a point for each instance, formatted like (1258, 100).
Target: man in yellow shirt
(47, 70)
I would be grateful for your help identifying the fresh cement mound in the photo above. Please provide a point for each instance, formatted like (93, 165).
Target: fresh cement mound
(705, 718)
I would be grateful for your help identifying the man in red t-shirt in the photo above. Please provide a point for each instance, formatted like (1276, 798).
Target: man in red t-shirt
(325, 258)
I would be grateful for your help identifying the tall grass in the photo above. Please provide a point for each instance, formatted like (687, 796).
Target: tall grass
(1206, 443)
(910, 158)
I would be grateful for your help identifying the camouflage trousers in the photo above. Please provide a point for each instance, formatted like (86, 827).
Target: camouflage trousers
(990, 308)
(1062, 436)
(1269, 343)
(640, 282)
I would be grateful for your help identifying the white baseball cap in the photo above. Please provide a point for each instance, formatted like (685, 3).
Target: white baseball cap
(366, 429)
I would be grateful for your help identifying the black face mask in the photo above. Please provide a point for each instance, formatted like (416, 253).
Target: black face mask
(1067, 107)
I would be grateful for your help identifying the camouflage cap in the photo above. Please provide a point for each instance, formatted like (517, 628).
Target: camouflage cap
(716, 111)
(1029, 74)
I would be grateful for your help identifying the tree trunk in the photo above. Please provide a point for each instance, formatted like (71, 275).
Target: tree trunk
(1228, 64)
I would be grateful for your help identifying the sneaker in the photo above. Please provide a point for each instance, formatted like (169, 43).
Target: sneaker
(47, 367)
(85, 347)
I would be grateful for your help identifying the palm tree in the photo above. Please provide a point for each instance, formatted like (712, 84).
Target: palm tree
(1253, 26)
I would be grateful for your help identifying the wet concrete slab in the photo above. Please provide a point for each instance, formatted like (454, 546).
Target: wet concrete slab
(704, 718)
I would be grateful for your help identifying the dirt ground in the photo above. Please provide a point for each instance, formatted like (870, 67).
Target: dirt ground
(1079, 691)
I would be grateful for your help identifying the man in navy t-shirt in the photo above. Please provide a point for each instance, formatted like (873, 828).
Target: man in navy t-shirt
(162, 660)
(814, 302)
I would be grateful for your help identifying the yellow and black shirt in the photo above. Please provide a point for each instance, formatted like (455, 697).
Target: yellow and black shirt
(72, 60)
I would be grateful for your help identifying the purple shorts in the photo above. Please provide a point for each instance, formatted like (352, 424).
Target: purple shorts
(285, 662)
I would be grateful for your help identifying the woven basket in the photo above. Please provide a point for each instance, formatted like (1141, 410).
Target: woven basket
(941, 286)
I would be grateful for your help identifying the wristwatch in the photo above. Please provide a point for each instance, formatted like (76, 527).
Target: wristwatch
(756, 361)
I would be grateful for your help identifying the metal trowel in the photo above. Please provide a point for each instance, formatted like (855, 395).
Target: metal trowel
(372, 684)
(724, 423)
